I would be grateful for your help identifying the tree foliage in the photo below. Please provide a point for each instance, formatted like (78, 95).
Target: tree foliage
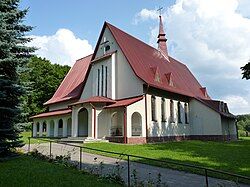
(246, 71)
(244, 123)
(41, 79)
(14, 54)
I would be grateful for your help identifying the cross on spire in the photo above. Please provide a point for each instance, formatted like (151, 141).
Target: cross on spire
(159, 10)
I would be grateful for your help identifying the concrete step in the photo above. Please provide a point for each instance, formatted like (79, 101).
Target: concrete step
(81, 140)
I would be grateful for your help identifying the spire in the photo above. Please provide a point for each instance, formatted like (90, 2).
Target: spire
(162, 41)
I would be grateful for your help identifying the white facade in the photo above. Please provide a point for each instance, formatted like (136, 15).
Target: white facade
(111, 76)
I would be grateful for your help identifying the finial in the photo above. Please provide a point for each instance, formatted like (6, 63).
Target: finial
(159, 10)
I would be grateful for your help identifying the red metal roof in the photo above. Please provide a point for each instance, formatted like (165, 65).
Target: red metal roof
(143, 58)
(125, 102)
(95, 99)
(52, 113)
(73, 83)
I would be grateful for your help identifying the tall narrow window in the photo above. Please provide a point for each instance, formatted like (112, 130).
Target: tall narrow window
(102, 82)
(153, 108)
(98, 82)
(106, 81)
(171, 111)
(163, 110)
(179, 112)
(186, 113)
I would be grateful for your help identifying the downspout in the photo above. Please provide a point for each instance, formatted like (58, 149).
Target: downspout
(125, 124)
(146, 111)
(93, 107)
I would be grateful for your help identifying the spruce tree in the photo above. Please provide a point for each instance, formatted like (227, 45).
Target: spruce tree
(14, 54)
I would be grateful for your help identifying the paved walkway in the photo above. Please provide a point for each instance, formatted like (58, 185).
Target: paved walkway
(145, 173)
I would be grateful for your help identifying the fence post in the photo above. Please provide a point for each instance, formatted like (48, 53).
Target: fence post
(29, 145)
(80, 166)
(50, 144)
(128, 172)
(206, 177)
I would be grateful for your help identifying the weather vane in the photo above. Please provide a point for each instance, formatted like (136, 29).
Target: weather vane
(160, 9)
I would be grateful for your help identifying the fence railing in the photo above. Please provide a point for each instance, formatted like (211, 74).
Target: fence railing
(204, 171)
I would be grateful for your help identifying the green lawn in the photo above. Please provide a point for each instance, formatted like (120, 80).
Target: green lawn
(232, 157)
(27, 134)
(28, 171)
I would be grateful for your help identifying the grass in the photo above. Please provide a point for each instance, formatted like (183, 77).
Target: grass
(27, 134)
(232, 157)
(29, 171)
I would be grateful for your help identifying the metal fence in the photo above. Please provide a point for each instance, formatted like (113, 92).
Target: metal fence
(135, 169)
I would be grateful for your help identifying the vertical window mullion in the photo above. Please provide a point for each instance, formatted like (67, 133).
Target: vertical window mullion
(102, 83)
(98, 82)
(106, 81)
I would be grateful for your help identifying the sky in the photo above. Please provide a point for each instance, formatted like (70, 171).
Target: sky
(212, 37)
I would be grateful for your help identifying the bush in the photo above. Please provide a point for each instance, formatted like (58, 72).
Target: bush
(242, 133)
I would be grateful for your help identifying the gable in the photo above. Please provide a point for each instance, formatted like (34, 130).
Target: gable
(142, 57)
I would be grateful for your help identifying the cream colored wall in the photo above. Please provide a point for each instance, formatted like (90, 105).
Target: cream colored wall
(158, 128)
(103, 122)
(228, 126)
(140, 108)
(58, 106)
(124, 75)
(204, 120)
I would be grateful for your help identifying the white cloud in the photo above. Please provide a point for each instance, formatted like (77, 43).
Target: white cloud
(236, 103)
(213, 39)
(145, 14)
(63, 47)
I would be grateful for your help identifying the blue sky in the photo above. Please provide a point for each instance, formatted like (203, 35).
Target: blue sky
(85, 18)
(212, 37)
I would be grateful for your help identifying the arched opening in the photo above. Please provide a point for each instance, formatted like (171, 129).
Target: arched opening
(69, 127)
(136, 124)
(36, 128)
(52, 127)
(83, 122)
(116, 127)
(60, 127)
(44, 128)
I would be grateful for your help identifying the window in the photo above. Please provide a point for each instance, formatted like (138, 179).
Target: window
(136, 124)
(171, 111)
(102, 82)
(163, 110)
(106, 81)
(60, 123)
(153, 108)
(98, 82)
(179, 112)
(186, 113)
(107, 48)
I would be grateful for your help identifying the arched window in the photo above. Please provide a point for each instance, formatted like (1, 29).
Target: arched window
(163, 110)
(153, 108)
(179, 112)
(116, 126)
(171, 111)
(186, 113)
(60, 124)
(136, 124)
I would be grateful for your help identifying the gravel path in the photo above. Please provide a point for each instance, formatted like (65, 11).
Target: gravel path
(144, 173)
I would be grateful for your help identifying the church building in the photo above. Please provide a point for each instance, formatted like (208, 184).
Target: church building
(130, 92)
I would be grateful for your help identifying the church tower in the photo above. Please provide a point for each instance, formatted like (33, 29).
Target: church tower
(162, 40)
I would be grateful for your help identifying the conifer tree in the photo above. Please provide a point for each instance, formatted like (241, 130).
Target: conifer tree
(14, 54)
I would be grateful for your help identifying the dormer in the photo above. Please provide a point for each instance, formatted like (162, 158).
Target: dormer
(204, 91)
(156, 72)
(169, 77)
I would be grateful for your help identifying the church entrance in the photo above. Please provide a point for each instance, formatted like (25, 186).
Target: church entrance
(83, 123)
